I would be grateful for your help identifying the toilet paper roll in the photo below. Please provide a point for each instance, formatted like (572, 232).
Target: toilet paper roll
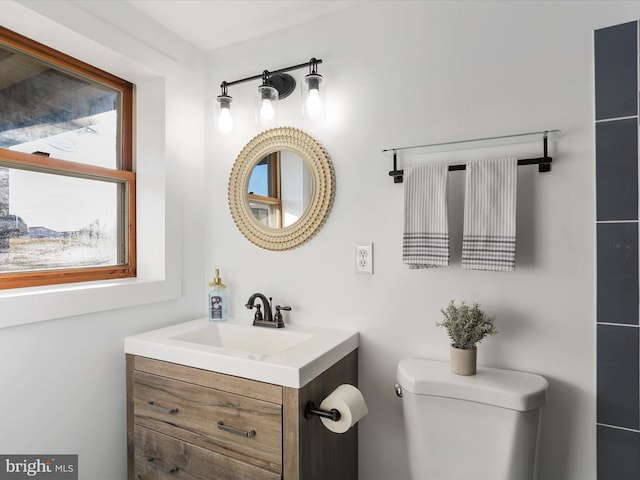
(348, 400)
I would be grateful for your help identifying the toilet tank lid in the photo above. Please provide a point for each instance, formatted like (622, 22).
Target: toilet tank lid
(503, 388)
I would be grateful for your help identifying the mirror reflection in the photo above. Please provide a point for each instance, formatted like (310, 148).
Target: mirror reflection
(279, 189)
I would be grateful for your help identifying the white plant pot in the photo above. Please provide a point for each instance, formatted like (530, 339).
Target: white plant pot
(463, 361)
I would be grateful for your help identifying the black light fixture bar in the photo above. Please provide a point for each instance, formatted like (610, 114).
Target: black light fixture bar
(259, 76)
(276, 85)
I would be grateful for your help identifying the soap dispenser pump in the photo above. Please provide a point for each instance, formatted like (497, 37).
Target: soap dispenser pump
(218, 311)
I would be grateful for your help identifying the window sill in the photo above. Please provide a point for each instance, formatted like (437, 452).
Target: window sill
(37, 304)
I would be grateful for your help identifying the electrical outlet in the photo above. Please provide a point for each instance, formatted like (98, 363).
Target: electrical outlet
(363, 256)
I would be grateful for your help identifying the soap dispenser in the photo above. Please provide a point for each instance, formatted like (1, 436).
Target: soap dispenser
(218, 311)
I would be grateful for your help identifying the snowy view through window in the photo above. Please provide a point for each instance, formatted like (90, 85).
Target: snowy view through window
(52, 221)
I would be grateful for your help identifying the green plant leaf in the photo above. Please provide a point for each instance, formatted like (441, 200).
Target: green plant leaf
(466, 326)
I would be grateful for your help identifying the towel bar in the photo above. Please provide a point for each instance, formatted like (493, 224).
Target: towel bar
(544, 162)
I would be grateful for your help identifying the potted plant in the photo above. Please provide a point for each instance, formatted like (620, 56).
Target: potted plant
(466, 326)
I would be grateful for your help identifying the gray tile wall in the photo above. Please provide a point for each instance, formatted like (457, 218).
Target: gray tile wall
(618, 342)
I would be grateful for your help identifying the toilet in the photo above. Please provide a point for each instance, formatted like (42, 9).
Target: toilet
(480, 427)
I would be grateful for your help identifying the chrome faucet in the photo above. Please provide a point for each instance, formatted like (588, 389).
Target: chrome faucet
(268, 319)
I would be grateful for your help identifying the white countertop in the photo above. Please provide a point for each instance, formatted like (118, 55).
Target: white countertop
(290, 356)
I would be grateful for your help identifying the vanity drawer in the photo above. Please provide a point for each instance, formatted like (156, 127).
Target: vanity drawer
(244, 428)
(160, 457)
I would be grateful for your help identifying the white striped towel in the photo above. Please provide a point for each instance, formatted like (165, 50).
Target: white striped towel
(425, 241)
(489, 237)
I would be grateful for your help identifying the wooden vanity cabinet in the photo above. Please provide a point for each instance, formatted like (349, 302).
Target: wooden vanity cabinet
(183, 422)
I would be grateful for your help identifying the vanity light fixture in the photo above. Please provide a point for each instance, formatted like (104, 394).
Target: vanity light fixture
(266, 102)
(225, 120)
(276, 85)
(313, 98)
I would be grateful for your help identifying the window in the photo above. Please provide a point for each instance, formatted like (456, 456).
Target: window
(279, 189)
(264, 191)
(67, 186)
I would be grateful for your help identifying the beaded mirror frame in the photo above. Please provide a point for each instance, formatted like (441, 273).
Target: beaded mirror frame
(323, 189)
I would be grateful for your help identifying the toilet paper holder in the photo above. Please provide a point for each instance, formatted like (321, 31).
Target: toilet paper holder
(310, 410)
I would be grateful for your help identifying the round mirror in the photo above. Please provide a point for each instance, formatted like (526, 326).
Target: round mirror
(281, 188)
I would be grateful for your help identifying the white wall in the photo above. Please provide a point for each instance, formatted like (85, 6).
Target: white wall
(406, 73)
(62, 382)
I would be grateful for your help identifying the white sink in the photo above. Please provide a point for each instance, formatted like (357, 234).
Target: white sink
(290, 356)
(241, 338)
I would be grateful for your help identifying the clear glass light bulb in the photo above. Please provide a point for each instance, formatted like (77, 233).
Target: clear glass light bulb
(225, 120)
(314, 103)
(267, 111)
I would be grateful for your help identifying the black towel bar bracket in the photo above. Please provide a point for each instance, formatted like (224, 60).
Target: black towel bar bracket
(543, 162)
(310, 410)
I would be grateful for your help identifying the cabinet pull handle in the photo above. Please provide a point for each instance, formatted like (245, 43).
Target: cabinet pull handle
(242, 433)
(164, 468)
(170, 411)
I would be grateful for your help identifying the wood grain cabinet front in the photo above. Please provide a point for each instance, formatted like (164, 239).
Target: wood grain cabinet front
(183, 422)
(160, 457)
(239, 427)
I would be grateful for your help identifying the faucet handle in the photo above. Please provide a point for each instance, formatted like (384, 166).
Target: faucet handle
(258, 314)
(278, 316)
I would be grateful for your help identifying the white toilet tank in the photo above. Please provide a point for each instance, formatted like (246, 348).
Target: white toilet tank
(480, 427)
